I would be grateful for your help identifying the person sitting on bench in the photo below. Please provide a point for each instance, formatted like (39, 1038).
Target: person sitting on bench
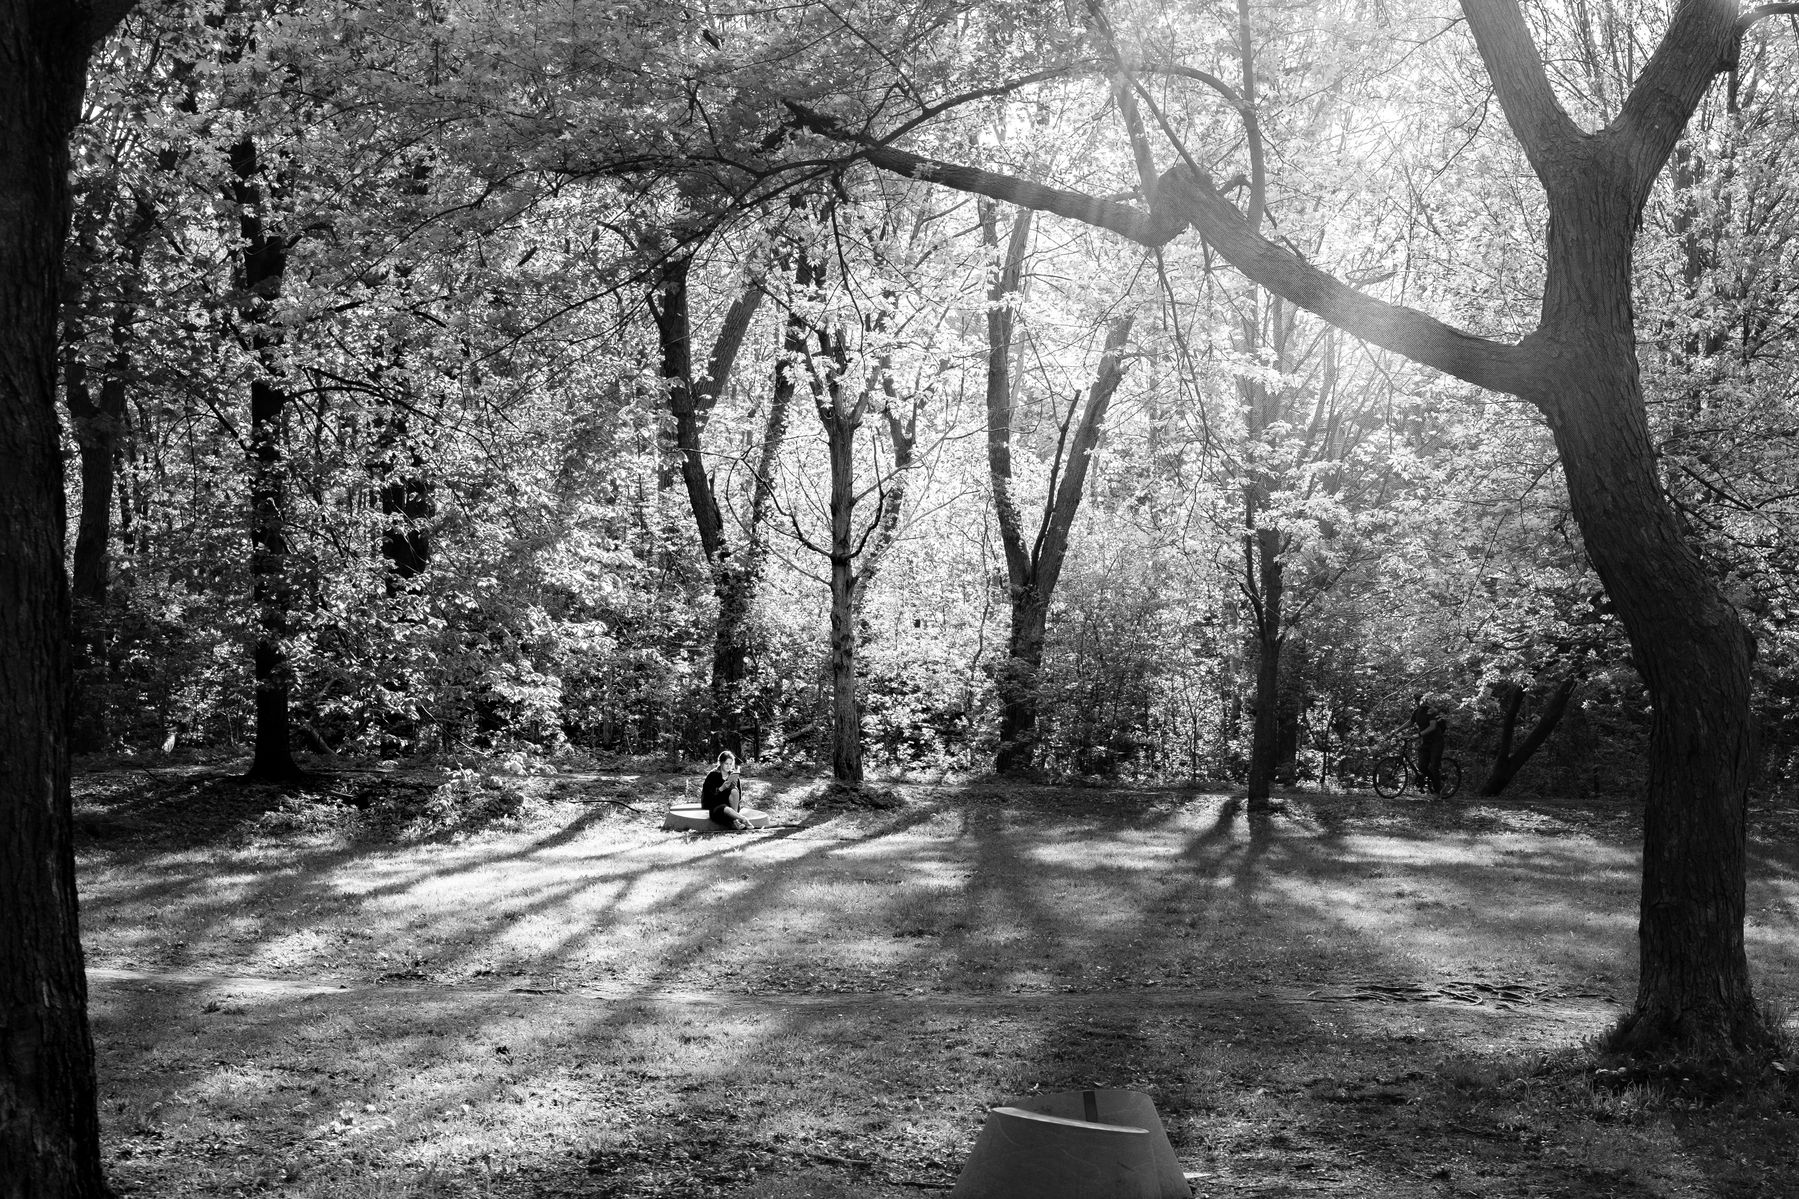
(722, 794)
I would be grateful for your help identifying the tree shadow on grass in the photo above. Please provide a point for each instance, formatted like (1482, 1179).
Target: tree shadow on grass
(1092, 912)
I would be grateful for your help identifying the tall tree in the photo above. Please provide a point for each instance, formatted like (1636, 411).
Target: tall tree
(261, 272)
(1579, 368)
(692, 397)
(1034, 559)
(49, 1122)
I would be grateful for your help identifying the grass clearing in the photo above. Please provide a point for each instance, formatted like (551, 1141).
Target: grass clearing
(1352, 997)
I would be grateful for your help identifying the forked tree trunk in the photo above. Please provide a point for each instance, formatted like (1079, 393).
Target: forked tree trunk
(739, 578)
(1033, 568)
(691, 400)
(49, 1127)
(1510, 758)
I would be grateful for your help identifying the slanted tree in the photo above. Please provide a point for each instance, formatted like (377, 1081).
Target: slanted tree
(1579, 368)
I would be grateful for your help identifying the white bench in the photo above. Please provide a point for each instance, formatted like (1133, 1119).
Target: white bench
(693, 818)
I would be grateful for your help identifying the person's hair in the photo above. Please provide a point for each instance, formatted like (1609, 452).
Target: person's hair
(725, 753)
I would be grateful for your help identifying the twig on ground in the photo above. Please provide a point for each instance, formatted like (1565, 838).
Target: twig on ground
(831, 1159)
(629, 807)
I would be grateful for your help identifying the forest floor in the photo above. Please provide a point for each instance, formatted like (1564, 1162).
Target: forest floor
(413, 984)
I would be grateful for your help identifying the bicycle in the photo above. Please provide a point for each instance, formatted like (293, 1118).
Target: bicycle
(1395, 772)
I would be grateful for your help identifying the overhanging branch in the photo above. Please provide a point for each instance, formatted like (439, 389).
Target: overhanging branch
(1403, 330)
(1130, 223)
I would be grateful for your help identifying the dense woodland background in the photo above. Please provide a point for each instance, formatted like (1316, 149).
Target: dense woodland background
(467, 378)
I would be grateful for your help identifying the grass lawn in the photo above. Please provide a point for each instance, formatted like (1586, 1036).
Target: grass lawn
(301, 996)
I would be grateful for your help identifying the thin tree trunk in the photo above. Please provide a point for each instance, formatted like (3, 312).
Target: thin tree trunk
(846, 715)
(1508, 761)
(405, 494)
(96, 425)
(1017, 676)
(49, 1127)
(1263, 546)
(263, 269)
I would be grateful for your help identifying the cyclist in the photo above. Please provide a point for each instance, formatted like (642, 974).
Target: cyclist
(1431, 729)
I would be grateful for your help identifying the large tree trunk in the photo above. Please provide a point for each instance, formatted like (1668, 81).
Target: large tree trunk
(1018, 683)
(49, 1128)
(263, 270)
(1693, 653)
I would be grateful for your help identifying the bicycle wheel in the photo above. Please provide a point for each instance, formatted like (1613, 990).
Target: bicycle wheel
(1451, 776)
(1391, 776)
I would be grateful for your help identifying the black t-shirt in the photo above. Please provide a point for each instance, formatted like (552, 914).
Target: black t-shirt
(716, 792)
(1428, 722)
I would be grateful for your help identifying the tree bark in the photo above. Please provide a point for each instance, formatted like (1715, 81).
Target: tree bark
(1508, 761)
(49, 1127)
(262, 270)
